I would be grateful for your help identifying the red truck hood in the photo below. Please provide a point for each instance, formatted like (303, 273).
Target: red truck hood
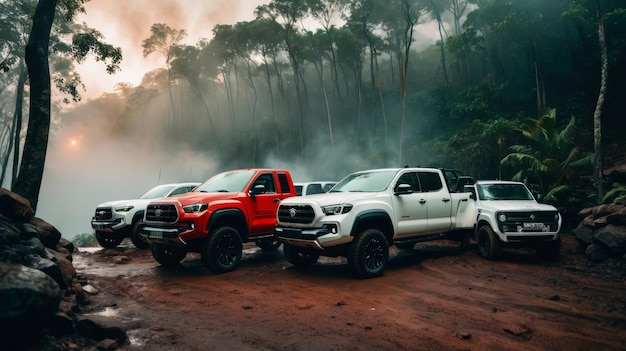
(195, 198)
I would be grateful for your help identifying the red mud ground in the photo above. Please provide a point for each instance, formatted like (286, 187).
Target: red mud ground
(431, 298)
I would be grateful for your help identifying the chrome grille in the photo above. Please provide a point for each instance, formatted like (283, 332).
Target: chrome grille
(302, 214)
(103, 213)
(162, 213)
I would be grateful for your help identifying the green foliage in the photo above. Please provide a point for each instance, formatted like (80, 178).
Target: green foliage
(85, 240)
(616, 193)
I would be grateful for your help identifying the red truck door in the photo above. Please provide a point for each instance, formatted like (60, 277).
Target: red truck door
(264, 205)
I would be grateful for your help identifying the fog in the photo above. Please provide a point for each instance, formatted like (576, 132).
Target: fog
(119, 142)
(96, 169)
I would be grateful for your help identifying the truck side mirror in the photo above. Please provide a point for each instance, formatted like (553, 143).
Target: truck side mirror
(470, 189)
(257, 189)
(403, 188)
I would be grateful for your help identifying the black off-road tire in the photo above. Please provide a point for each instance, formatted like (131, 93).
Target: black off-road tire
(299, 256)
(167, 256)
(108, 240)
(223, 250)
(368, 254)
(549, 251)
(268, 244)
(488, 243)
(137, 239)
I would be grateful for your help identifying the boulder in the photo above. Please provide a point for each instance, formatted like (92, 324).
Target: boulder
(603, 231)
(613, 237)
(15, 206)
(583, 234)
(29, 298)
(597, 252)
(48, 234)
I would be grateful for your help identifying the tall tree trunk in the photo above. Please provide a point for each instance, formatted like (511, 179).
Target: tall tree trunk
(28, 183)
(16, 128)
(597, 115)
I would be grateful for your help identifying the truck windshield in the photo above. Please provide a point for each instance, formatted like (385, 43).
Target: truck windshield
(365, 182)
(503, 192)
(229, 182)
(157, 192)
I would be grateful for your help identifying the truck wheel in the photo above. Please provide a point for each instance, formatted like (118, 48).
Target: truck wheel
(549, 251)
(268, 244)
(368, 254)
(167, 256)
(488, 243)
(300, 257)
(135, 236)
(223, 250)
(108, 240)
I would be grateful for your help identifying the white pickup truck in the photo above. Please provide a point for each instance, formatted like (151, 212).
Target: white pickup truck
(368, 211)
(509, 216)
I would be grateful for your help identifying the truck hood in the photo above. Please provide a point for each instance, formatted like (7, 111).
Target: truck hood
(123, 203)
(326, 199)
(195, 197)
(514, 206)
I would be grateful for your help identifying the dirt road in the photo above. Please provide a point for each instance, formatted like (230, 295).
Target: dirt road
(431, 298)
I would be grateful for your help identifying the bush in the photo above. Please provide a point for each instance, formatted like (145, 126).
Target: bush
(85, 240)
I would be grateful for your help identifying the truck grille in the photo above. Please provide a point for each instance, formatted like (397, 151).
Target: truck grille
(103, 213)
(516, 219)
(302, 214)
(162, 213)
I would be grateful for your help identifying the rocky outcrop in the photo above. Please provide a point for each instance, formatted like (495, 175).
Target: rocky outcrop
(39, 288)
(602, 231)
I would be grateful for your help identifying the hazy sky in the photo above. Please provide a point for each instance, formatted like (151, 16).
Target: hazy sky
(126, 23)
(82, 172)
(82, 168)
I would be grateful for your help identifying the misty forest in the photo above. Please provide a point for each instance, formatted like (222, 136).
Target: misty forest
(512, 89)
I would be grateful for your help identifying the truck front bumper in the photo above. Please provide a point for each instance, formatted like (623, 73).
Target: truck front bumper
(109, 226)
(314, 238)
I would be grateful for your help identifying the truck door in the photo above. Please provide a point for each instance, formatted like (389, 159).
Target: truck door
(263, 205)
(438, 201)
(411, 213)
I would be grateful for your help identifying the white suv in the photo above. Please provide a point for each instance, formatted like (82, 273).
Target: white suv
(509, 216)
(115, 220)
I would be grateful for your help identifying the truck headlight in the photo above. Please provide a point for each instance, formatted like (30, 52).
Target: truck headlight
(195, 208)
(125, 208)
(502, 217)
(336, 209)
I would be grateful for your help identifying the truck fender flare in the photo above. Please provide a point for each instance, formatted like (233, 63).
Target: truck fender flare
(381, 217)
(231, 212)
(138, 216)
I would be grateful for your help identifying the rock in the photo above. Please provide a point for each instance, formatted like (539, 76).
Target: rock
(107, 344)
(597, 252)
(15, 206)
(613, 237)
(48, 234)
(100, 328)
(90, 290)
(583, 234)
(28, 300)
(66, 270)
(617, 218)
(601, 211)
(61, 324)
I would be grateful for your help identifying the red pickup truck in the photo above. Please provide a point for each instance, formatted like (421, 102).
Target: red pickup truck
(216, 218)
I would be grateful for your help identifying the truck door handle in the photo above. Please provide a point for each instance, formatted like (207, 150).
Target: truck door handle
(445, 199)
(276, 201)
(422, 201)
